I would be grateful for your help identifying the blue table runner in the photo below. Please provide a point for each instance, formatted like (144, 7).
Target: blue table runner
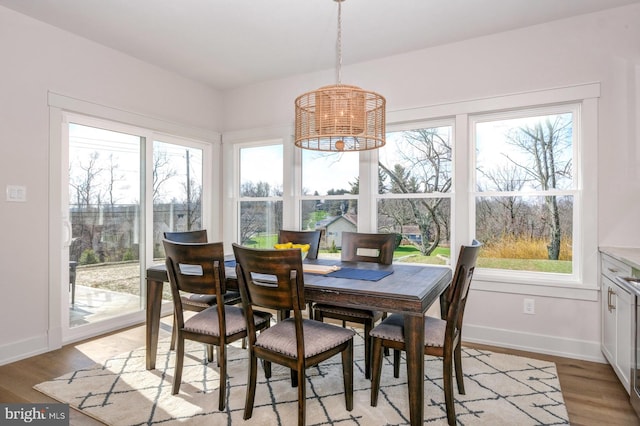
(349, 273)
(359, 274)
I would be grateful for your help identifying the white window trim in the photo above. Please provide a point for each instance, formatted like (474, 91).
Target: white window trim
(232, 190)
(61, 106)
(585, 284)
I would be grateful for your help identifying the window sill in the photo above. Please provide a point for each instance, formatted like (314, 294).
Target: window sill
(546, 286)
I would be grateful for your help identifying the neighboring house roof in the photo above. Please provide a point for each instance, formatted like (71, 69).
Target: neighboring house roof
(330, 220)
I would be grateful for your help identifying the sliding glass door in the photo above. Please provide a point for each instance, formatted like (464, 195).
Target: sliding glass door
(126, 187)
(104, 212)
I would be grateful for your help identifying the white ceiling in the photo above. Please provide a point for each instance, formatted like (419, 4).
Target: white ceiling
(231, 43)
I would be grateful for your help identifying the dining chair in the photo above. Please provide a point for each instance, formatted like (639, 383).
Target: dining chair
(443, 336)
(360, 247)
(274, 279)
(198, 302)
(198, 268)
(302, 237)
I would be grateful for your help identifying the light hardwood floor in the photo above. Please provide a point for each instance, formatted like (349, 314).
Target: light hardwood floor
(592, 392)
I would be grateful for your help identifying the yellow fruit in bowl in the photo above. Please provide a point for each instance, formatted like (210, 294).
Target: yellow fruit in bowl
(304, 248)
(283, 246)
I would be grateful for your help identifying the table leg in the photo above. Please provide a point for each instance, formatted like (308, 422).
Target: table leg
(414, 340)
(154, 302)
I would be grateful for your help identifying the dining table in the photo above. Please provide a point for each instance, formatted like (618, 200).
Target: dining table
(408, 289)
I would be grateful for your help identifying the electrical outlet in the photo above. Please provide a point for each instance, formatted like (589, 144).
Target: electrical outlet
(529, 306)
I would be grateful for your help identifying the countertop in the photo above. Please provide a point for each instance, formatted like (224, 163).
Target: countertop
(628, 255)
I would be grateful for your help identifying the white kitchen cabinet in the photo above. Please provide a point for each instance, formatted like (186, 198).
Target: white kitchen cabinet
(617, 317)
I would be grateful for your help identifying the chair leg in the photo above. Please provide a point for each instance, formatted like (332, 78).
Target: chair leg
(447, 378)
(210, 350)
(376, 369)
(177, 374)
(386, 349)
(251, 385)
(222, 364)
(396, 363)
(457, 353)
(302, 397)
(174, 331)
(347, 375)
(368, 325)
(266, 366)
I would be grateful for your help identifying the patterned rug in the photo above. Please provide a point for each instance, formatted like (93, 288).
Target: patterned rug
(500, 390)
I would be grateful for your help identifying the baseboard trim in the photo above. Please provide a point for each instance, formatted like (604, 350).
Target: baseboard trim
(531, 342)
(15, 351)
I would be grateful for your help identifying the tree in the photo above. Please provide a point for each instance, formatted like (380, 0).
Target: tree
(162, 172)
(257, 216)
(500, 216)
(426, 168)
(545, 141)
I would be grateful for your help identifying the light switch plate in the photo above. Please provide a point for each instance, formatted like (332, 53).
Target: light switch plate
(16, 193)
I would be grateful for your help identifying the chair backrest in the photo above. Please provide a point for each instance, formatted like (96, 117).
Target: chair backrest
(187, 236)
(271, 279)
(302, 237)
(456, 295)
(195, 267)
(361, 247)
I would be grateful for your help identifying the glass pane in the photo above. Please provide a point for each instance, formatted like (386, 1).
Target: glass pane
(532, 153)
(331, 217)
(260, 222)
(329, 173)
(416, 161)
(526, 233)
(104, 210)
(261, 171)
(177, 191)
(425, 226)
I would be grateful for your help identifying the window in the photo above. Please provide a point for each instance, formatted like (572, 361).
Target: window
(123, 191)
(526, 189)
(261, 188)
(508, 171)
(329, 202)
(177, 190)
(414, 190)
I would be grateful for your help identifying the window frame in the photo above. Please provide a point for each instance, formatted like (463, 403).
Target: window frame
(507, 275)
(583, 286)
(61, 108)
(235, 191)
(414, 125)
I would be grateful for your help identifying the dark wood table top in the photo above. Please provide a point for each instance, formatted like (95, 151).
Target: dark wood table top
(410, 289)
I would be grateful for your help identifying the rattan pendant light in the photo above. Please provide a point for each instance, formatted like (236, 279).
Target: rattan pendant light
(340, 118)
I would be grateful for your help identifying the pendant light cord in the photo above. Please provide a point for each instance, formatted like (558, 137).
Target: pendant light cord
(339, 73)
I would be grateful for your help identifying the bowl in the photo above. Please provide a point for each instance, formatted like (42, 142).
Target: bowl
(304, 248)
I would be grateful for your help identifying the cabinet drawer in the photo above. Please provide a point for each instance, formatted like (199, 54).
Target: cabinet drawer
(612, 268)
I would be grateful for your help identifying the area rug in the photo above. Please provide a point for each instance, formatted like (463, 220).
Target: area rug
(500, 390)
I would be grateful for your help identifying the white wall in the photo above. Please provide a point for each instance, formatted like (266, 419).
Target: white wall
(36, 58)
(602, 47)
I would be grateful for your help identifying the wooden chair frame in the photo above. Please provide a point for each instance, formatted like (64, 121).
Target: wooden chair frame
(285, 291)
(452, 303)
(385, 245)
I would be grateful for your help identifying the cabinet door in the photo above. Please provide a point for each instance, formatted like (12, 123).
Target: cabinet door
(624, 338)
(608, 322)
